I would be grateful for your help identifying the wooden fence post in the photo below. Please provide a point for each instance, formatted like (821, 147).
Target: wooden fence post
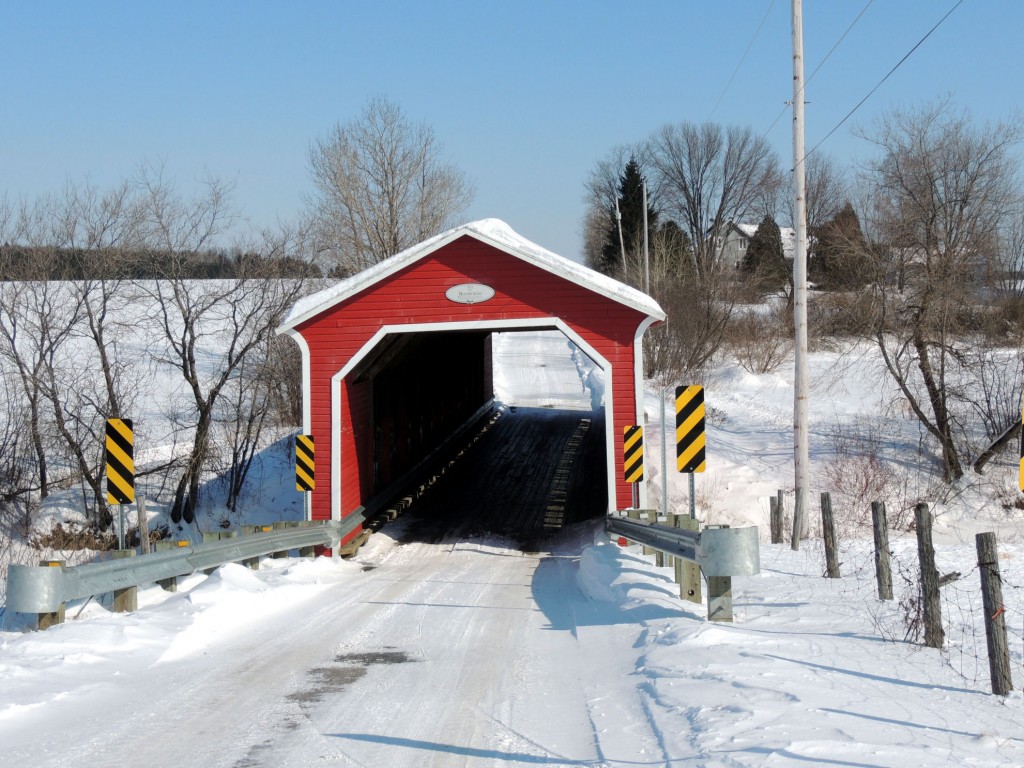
(828, 530)
(995, 614)
(776, 519)
(883, 570)
(931, 603)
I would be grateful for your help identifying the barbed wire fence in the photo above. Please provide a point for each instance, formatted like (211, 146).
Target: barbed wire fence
(901, 620)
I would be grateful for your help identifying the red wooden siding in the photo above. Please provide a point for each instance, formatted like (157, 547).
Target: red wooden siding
(416, 295)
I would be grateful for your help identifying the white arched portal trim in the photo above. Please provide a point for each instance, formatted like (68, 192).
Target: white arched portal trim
(480, 325)
(307, 420)
(638, 380)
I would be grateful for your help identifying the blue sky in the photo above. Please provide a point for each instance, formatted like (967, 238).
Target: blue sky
(525, 96)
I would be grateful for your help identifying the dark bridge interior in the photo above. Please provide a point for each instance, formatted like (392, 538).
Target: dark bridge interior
(528, 472)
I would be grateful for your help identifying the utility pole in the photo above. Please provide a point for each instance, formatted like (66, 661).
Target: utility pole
(647, 263)
(622, 244)
(801, 457)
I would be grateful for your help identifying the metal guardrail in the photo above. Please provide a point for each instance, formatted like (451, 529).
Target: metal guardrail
(721, 553)
(718, 551)
(45, 589)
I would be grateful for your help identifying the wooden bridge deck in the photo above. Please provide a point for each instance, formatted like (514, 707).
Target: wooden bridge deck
(532, 471)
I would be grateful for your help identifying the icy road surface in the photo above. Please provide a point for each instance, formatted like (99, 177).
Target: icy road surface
(470, 653)
(456, 653)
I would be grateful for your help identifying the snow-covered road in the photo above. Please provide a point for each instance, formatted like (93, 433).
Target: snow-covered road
(472, 653)
(445, 654)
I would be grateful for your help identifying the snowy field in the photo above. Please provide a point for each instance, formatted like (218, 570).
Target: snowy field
(471, 653)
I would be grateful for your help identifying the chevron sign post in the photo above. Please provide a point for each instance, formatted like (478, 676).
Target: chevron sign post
(690, 440)
(120, 458)
(633, 456)
(304, 463)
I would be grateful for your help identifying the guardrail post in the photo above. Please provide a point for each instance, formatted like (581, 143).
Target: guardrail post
(659, 556)
(47, 620)
(673, 522)
(125, 600)
(719, 594)
(253, 563)
(645, 514)
(208, 538)
(280, 525)
(309, 551)
(720, 598)
(165, 545)
(633, 514)
(687, 573)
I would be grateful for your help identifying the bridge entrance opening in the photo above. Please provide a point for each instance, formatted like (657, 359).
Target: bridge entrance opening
(531, 463)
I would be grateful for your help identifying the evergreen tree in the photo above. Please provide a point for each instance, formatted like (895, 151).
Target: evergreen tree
(839, 251)
(765, 259)
(631, 207)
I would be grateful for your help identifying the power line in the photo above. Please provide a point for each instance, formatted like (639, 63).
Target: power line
(820, 65)
(742, 59)
(880, 82)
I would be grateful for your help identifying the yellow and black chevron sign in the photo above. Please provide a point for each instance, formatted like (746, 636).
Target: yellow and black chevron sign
(690, 429)
(120, 452)
(304, 463)
(633, 453)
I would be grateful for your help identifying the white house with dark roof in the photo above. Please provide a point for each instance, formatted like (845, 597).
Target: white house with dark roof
(732, 245)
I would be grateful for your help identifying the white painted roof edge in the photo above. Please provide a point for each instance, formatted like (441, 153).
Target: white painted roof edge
(493, 232)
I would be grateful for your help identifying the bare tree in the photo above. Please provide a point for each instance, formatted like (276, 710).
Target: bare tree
(381, 186)
(1010, 272)
(706, 176)
(942, 190)
(15, 454)
(95, 380)
(209, 328)
(37, 318)
(244, 413)
(699, 312)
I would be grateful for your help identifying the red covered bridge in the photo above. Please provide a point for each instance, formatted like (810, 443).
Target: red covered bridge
(397, 358)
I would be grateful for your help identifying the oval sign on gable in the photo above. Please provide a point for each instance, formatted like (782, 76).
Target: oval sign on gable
(469, 293)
